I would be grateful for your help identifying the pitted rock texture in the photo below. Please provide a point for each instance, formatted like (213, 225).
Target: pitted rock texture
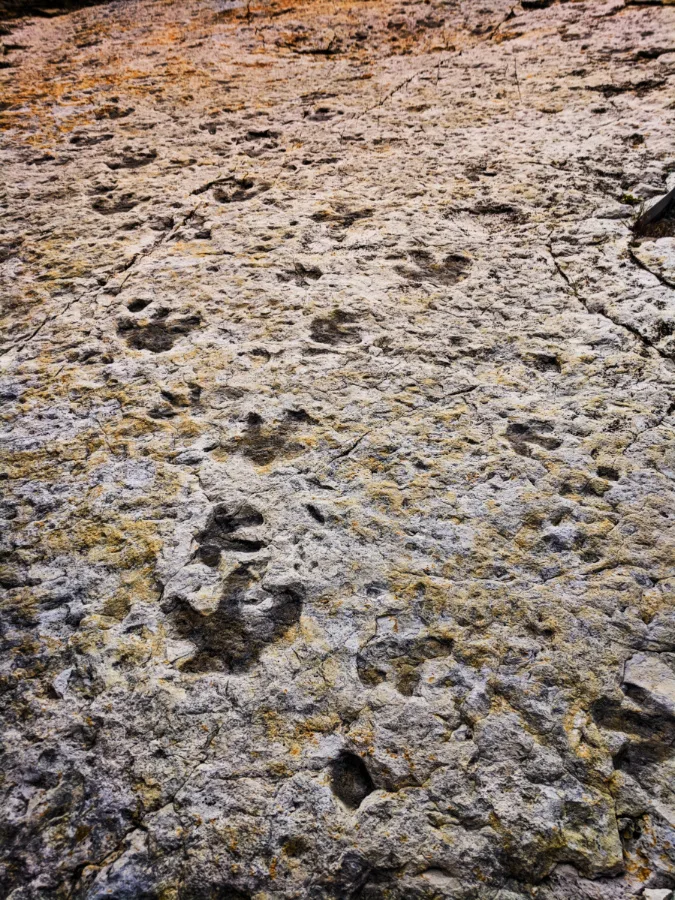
(338, 397)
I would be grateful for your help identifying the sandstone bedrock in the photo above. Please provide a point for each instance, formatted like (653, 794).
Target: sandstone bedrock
(338, 450)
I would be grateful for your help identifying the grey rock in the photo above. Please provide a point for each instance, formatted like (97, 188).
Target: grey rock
(337, 451)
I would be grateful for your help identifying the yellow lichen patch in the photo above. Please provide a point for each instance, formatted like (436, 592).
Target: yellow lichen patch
(307, 730)
(138, 586)
(127, 544)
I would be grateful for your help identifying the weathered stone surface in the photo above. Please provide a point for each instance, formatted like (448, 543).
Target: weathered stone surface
(338, 398)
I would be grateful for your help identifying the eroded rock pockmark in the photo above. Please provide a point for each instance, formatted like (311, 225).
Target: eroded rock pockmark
(263, 443)
(132, 159)
(236, 190)
(337, 328)
(341, 216)
(219, 533)
(301, 274)
(350, 780)
(452, 268)
(115, 204)
(644, 717)
(83, 139)
(248, 617)
(398, 659)
(158, 335)
(113, 111)
(522, 436)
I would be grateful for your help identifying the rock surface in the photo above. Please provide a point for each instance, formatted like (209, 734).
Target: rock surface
(338, 398)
